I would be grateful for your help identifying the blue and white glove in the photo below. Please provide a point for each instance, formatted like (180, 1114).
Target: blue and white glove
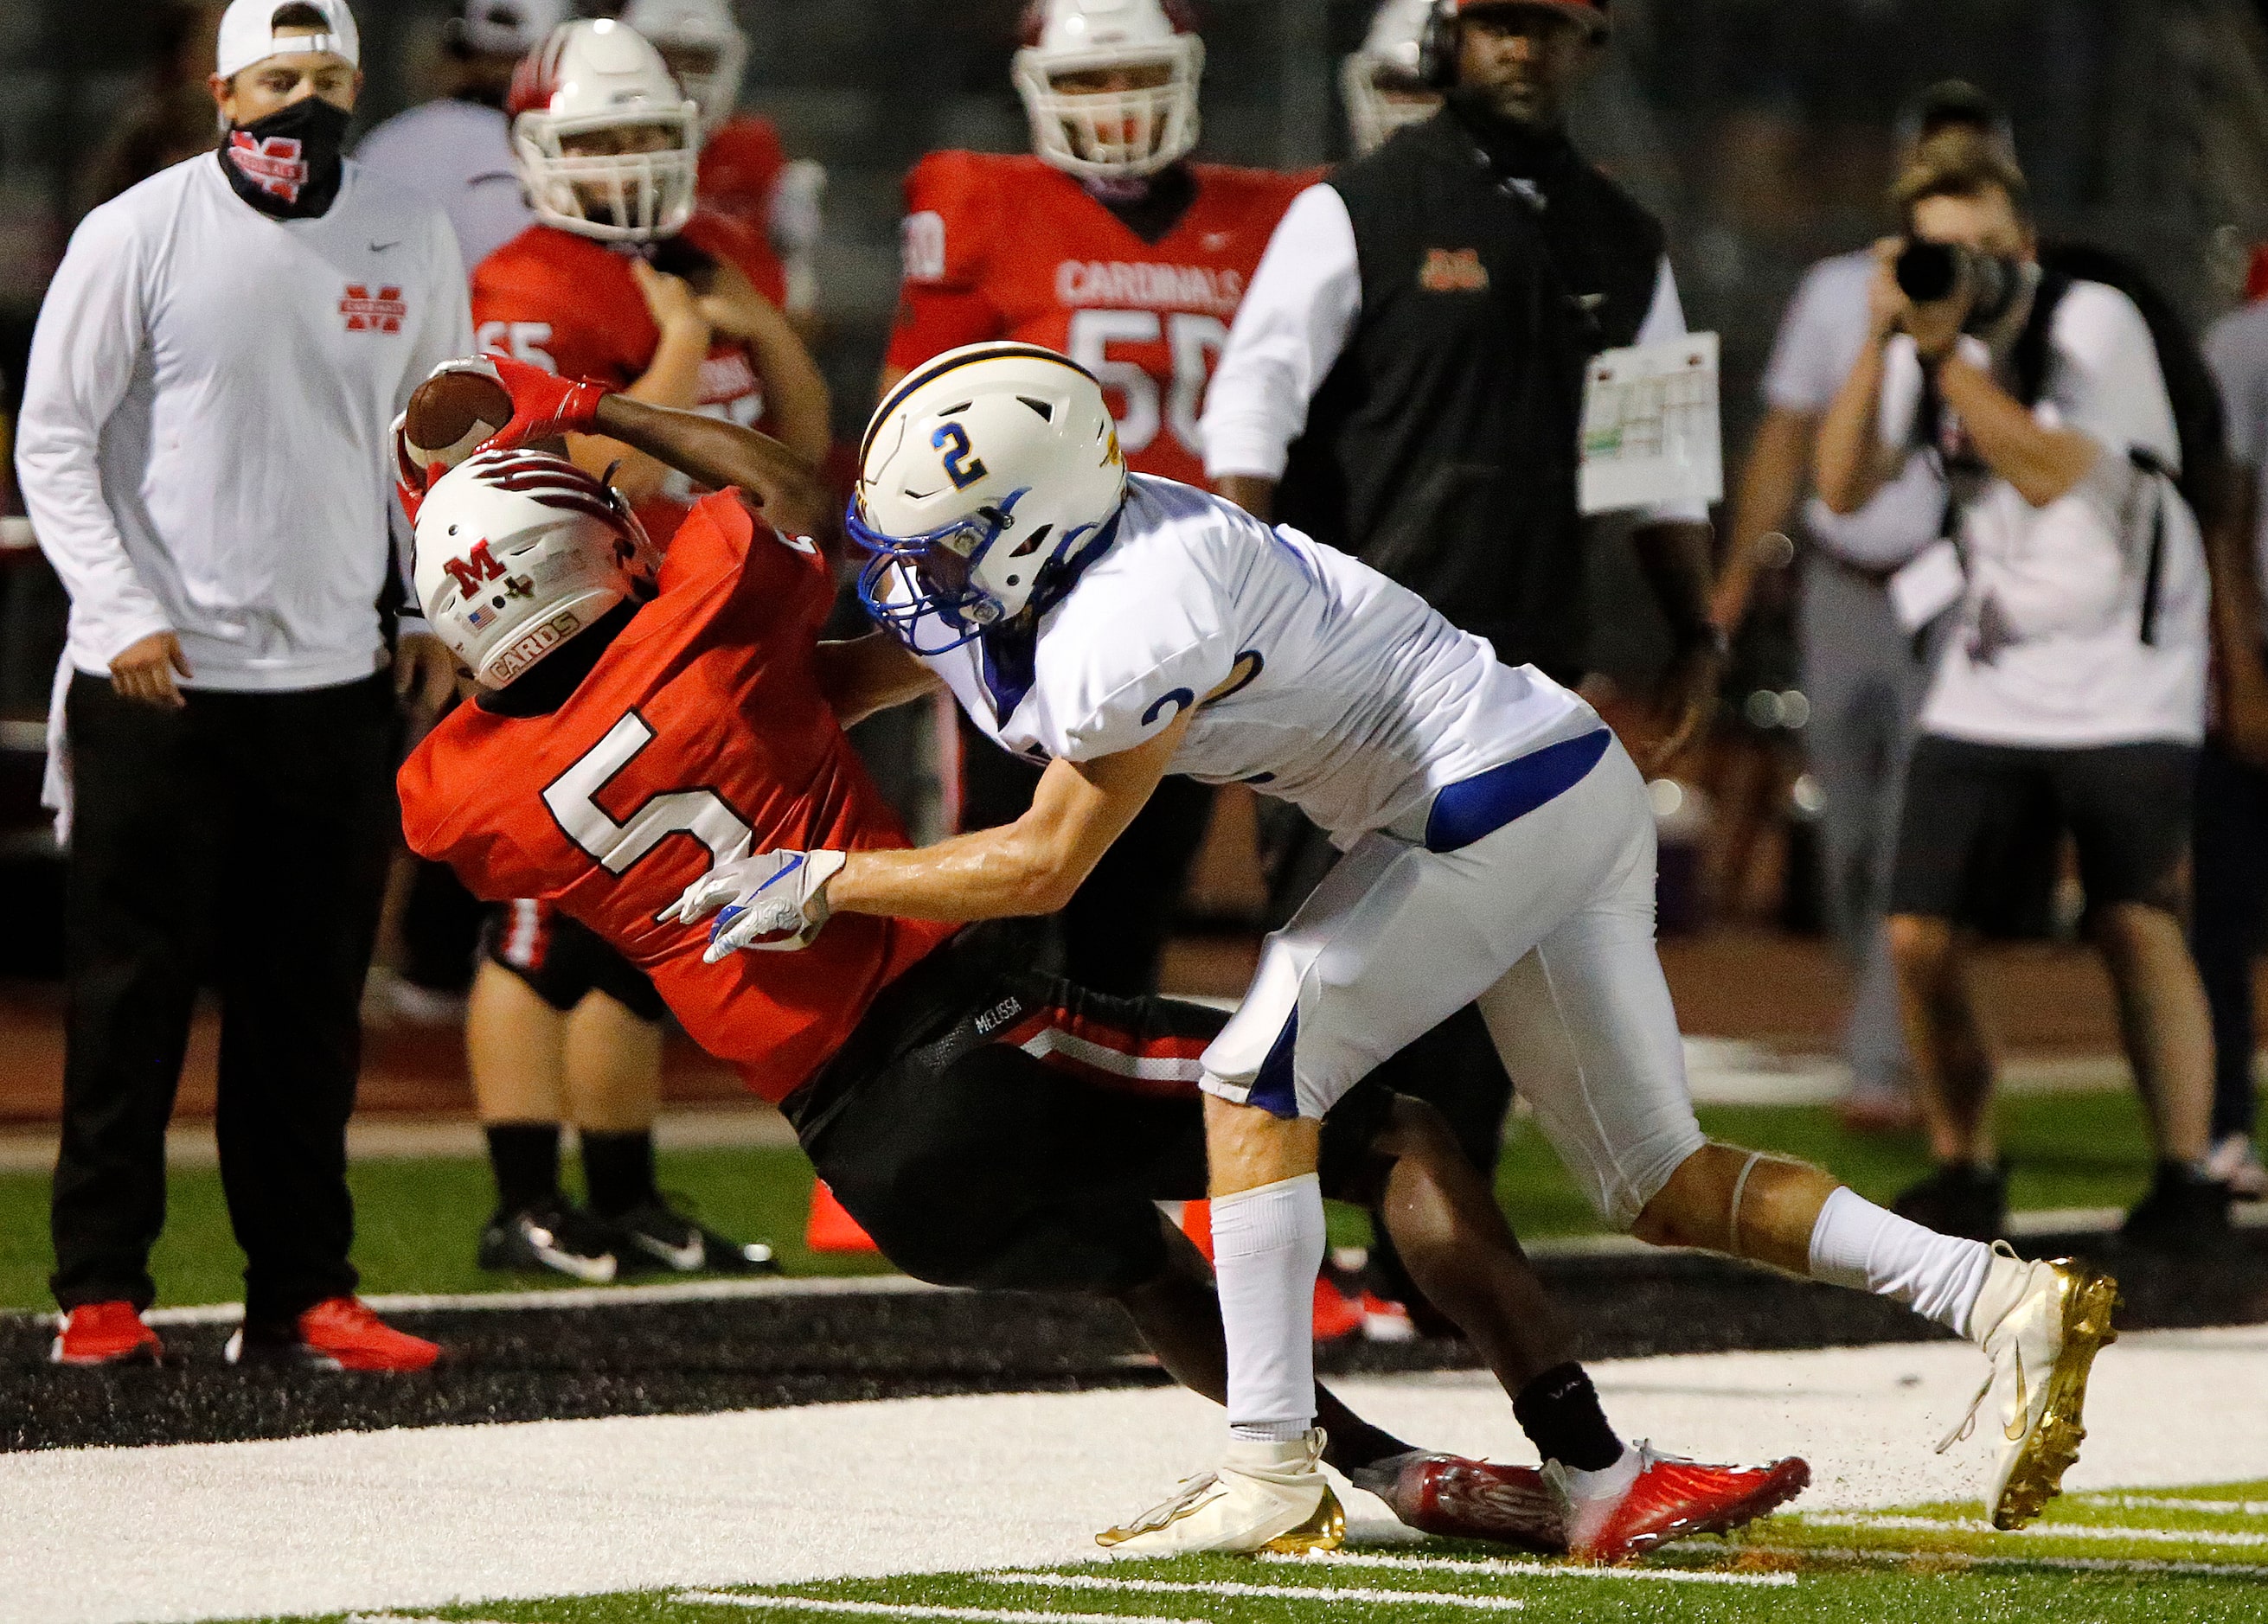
(775, 900)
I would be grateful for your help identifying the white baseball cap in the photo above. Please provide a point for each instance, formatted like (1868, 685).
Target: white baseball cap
(247, 34)
(510, 28)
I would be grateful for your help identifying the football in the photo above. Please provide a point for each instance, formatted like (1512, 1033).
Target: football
(451, 414)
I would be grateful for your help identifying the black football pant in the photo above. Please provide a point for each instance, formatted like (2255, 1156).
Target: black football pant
(238, 843)
(1114, 930)
(2231, 919)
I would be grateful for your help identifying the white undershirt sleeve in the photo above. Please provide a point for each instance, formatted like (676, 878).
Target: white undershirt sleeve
(89, 337)
(1665, 320)
(1289, 333)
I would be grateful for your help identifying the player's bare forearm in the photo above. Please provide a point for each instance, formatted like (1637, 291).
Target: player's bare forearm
(1030, 866)
(2040, 462)
(672, 379)
(862, 675)
(721, 455)
(1254, 493)
(1772, 483)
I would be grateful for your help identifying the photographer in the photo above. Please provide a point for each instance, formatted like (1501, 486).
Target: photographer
(2068, 604)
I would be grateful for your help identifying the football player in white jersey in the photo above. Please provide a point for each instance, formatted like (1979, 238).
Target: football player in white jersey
(1499, 850)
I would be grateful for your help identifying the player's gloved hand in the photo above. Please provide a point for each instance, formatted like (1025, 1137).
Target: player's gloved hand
(544, 405)
(775, 900)
(411, 481)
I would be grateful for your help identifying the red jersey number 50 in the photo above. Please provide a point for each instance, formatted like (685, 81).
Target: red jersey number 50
(1195, 341)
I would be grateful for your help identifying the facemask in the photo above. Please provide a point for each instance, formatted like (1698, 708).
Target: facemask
(287, 164)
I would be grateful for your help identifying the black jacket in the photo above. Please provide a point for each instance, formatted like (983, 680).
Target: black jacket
(1442, 447)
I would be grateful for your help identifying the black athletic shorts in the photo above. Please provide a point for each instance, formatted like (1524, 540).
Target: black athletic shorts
(1975, 814)
(563, 960)
(990, 1125)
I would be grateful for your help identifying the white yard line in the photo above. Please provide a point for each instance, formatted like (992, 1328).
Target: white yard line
(586, 1297)
(1272, 1593)
(2037, 1531)
(904, 1610)
(2159, 1502)
(421, 1520)
(1512, 1570)
(1963, 1559)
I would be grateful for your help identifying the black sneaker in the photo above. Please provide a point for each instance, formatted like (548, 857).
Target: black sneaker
(670, 1240)
(1969, 1201)
(556, 1236)
(2185, 1210)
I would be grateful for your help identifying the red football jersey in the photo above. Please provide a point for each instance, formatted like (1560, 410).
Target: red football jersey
(1010, 247)
(740, 166)
(570, 303)
(702, 729)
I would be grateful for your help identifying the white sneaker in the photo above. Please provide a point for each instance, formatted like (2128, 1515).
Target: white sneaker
(2235, 1162)
(1263, 1497)
(2041, 1324)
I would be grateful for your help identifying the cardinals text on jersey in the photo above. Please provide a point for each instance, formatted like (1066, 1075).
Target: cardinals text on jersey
(1006, 246)
(654, 767)
(1333, 688)
(569, 305)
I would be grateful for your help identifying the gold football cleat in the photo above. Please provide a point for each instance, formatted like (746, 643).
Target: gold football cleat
(2052, 1319)
(1263, 1497)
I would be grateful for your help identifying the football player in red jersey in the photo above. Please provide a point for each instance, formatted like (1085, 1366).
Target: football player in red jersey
(989, 1125)
(625, 278)
(1107, 243)
(745, 173)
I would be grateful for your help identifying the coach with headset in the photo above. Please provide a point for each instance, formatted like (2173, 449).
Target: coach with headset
(1404, 381)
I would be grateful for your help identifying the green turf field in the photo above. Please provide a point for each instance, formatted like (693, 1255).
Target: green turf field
(418, 1220)
(2195, 1554)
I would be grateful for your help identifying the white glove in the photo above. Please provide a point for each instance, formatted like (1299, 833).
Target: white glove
(775, 900)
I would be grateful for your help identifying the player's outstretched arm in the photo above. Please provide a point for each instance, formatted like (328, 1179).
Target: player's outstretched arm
(1030, 866)
(863, 675)
(719, 454)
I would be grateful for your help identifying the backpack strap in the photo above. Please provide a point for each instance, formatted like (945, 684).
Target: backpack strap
(2152, 467)
(2029, 359)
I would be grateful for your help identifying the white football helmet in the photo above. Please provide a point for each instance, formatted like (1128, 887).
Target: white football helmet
(594, 77)
(1110, 134)
(517, 552)
(701, 41)
(986, 479)
(1383, 88)
(509, 27)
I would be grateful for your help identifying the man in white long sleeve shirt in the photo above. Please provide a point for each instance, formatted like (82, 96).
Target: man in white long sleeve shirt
(204, 454)
(2068, 691)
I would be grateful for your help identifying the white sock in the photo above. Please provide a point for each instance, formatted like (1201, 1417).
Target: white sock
(1858, 1244)
(1267, 1247)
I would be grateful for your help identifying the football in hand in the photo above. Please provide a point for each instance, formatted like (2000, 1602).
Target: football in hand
(451, 414)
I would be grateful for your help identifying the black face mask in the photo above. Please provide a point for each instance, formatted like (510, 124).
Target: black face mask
(287, 164)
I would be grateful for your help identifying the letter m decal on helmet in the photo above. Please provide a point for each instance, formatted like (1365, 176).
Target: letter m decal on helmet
(476, 567)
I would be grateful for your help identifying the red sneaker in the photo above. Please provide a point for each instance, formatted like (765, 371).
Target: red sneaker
(105, 1334)
(1464, 1499)
(339, 1334)
(1337, 1314)
(1671, 1499)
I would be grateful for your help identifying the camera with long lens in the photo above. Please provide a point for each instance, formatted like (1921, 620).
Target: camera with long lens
(1930, 271)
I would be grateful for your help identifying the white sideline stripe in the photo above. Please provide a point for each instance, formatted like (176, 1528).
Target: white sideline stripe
(901, 1610)
(578, 1296)
(1283, 1593)
(405, 1618)
(1963, 1559)
(2037, 1531)
(2160, 1502)
(1527, 1571)
(1148, 1068)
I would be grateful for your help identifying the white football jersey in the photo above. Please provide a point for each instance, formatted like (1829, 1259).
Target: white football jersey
(1339, 690)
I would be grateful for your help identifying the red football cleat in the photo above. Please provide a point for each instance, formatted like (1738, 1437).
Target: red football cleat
(1464, 1499)
(1337, 1315)
(1672, 1499)
(339, 1334)
(105, 1334)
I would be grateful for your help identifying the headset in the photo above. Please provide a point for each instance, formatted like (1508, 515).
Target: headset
(1437, 47)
